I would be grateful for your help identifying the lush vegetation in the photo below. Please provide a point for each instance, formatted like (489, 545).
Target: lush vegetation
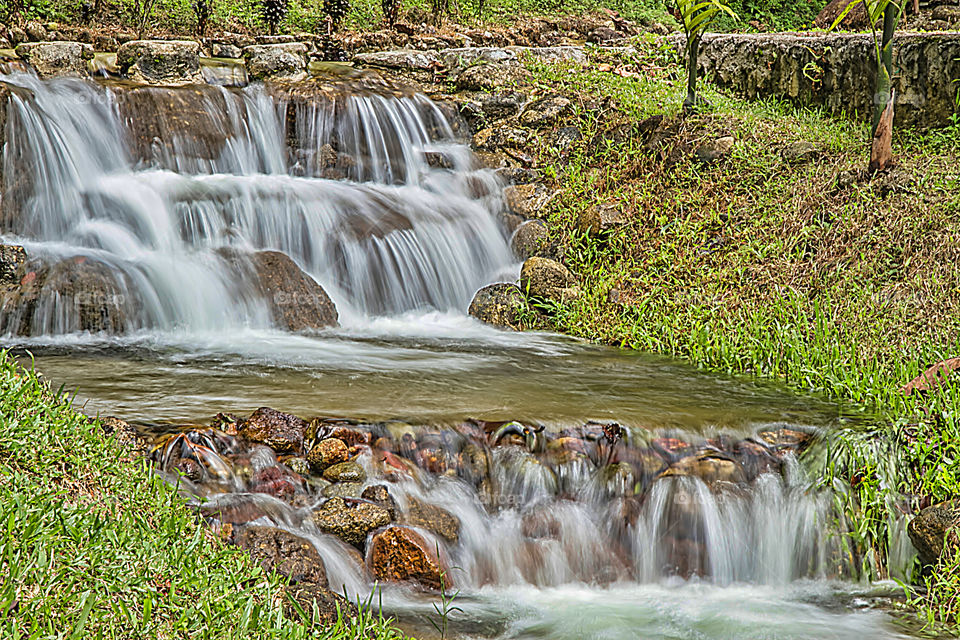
(759, 264)
(93, 545)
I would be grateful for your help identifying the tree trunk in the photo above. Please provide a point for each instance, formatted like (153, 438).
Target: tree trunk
(693, 51)
(881, 153)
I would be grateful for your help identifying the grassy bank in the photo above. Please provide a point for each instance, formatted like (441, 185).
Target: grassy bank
(92, 545)
(761, 265)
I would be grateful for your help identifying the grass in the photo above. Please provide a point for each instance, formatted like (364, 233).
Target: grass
(93, 545)
(754, 265)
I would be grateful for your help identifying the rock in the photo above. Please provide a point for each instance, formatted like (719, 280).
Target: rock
(894, 181)
(434, 519)
(35, 32)
(933, 377)
(929, 530)
(279, 551)
(501, 105)
(380, 496)
(546, 278)
(603, 35)
(857, 18)
(565, 138)
(160, 62)
(105, 43)
(600, 219)
(492, 139)
(13, 259)
(298, 465)
(17, 35)
(530, 239)
(126, 435)
(224, 50)
(491, 76)
(709, 468)
(403, 60)
(545, 111)
(345, 472)
(529, 200)
(282, 432)
(350, 522)
(51, 59)
(296, 301)
(343, 490)
(714, 150)
(330, 606)
(400, 554)
(499, 305)
(948, 13)
(327, 453)
(848, 178)
(277, 61)
(800, 152)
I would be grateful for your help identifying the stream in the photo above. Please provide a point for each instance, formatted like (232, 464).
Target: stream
(133, 205)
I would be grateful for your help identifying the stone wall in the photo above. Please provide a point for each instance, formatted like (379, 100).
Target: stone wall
(838, 71)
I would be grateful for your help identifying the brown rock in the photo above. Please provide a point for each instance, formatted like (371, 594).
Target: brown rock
(499, 305)
(282, 432)
(529, 200)
(285, 553)
(432, 518)
(351, 522)
(600, 219)
(546, 278)
(400, 554)
(857, 18)
(327, 453)
(530, 239)
(345, 472)
(933, 528)
(708, 467)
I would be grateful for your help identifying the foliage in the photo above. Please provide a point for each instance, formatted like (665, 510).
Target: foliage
(94, 545)
(756, 265)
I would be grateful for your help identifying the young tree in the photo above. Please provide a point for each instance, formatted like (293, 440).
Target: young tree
(336, 11)
(201, 11)
(391, 11)
(695, 17)
(889, 11)
(273, 12)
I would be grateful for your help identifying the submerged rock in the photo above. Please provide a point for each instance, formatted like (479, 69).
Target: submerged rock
(286, 61)
(351, 522)
(400, 554)
(345, 472)
(708, 467)
(546, 278)
(499, 305)
(327, 453)
(161, 62)
(434, 519)
(50, 59)
(285, 553)
(282, 432)
(934, 528)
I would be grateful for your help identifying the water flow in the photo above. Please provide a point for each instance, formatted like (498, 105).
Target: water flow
(112, 177)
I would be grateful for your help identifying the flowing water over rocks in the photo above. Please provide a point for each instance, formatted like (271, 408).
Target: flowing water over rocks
(203, 251)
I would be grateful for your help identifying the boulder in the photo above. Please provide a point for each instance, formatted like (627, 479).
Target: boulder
(345, 472)
(287, 61)
(499, 305)
(35, 32)
(546, 278)
(401, 60)
(282, 432)
(545, 111)
(529, 200)
(501, 105)
(296, 301)
(491, 76)
(434, 519)
(50, 59)
(530, 239)
(330, 606)
(285, 553)
(327, 453)
(600, 219)
(400, 554)
(604, 35)
(225, 50)
(934, 528)
(350, 521)
(857, 18)
(160, 62)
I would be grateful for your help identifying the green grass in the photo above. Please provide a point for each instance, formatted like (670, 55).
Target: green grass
(93, 545)
(753, 265)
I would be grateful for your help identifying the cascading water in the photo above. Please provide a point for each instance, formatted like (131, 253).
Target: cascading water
(144, 211)
(396, 235)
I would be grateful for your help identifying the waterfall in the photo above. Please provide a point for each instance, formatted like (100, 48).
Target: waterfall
(151, 189)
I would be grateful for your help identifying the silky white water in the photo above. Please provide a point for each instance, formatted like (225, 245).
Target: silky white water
(102, 174)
